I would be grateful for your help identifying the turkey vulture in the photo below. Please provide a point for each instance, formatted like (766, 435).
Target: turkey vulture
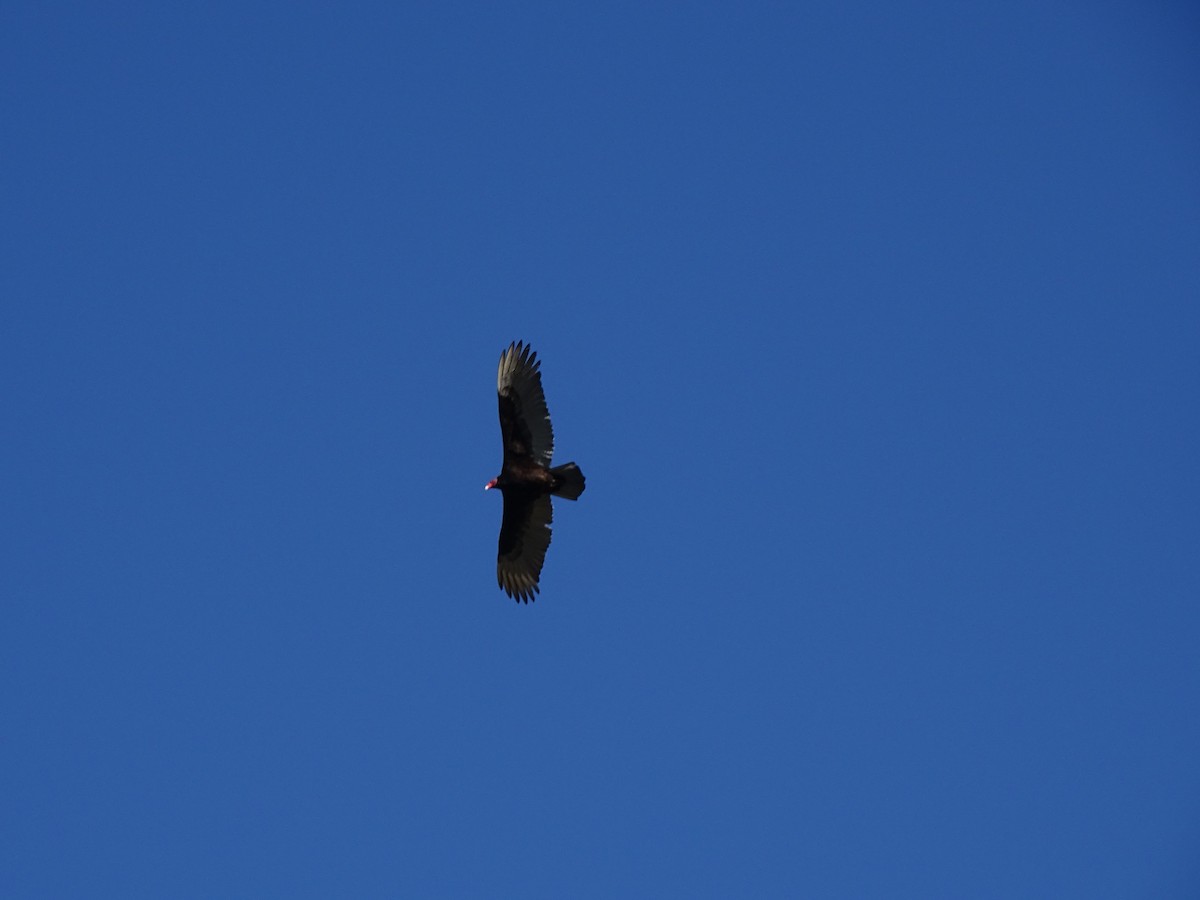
(525, 478)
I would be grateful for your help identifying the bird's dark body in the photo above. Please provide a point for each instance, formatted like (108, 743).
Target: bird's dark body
(526, 478)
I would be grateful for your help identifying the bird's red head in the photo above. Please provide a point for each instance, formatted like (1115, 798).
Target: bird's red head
(491, 484)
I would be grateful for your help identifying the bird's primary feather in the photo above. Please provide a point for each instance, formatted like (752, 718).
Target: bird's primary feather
(524, 539)
(524, 418)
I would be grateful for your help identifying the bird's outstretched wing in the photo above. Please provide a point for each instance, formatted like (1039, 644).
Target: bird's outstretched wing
(524, 419)
(524, 538)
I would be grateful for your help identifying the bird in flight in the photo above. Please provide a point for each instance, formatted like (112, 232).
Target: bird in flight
(526, 479)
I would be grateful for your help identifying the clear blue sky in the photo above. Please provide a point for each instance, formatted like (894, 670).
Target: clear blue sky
(875, 328)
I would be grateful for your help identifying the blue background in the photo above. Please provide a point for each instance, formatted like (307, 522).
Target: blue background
(873, 326)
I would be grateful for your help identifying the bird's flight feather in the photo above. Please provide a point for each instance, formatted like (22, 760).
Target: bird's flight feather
(524, 418)
(524, 539)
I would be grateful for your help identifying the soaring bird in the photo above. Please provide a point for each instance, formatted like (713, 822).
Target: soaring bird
(526, 478)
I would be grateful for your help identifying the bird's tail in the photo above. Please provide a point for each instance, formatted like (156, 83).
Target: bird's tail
(568, 481)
